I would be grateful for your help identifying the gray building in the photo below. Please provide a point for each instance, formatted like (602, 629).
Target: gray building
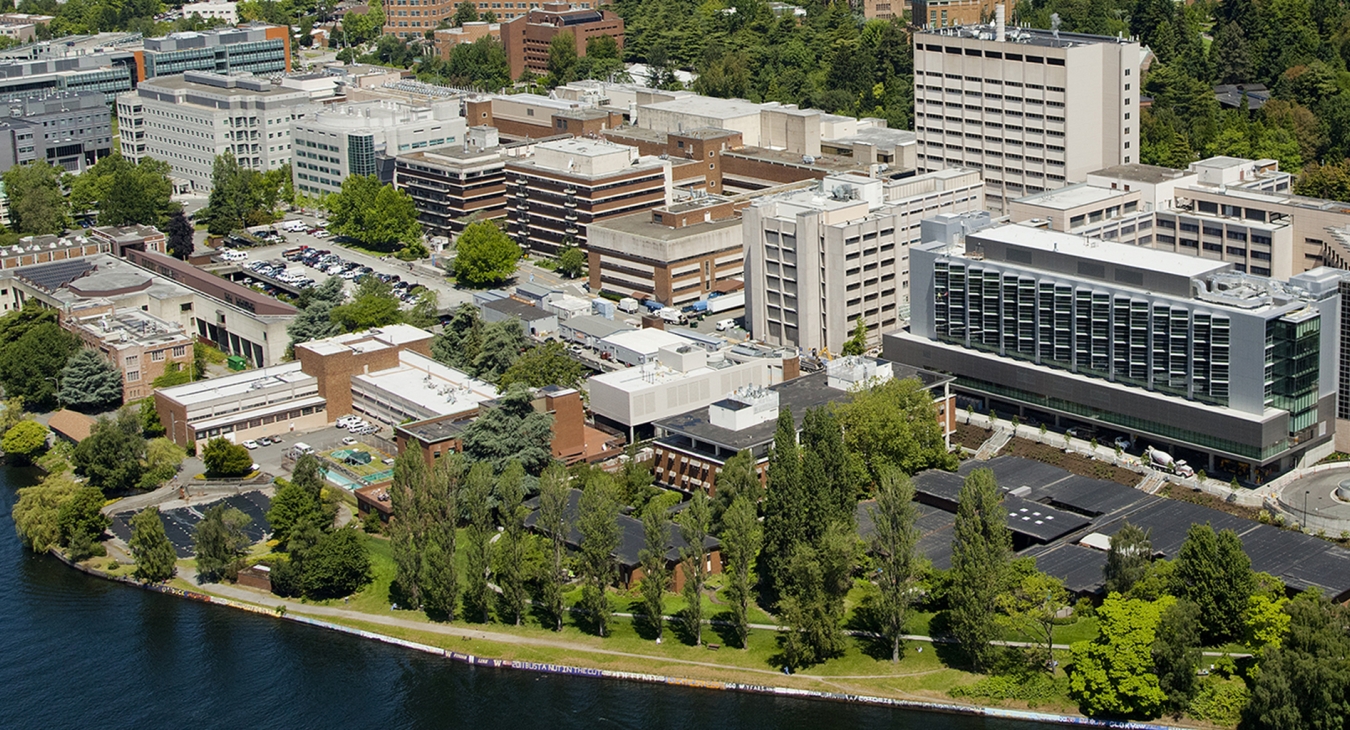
(1236, 371)
(189, 119)
(69, 129)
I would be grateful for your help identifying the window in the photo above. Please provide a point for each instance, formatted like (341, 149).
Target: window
(133, 375)
(179, 350)
(157, 356)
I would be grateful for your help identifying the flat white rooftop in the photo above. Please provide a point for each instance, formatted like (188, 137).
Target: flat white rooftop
(371, 340)
(1120, 254)
(647, 341)
(708, 106)
(234, 386)
(642, 377)
(427, 384)
(1072, 196)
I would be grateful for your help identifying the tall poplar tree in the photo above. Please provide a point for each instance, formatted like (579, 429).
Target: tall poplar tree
(655, 571)
(553, 522)
(895, 553)
(741, 538)
(785, 522)
(981, 545)
(695, 522)
(405, 529)
(438, 515)
(598, 523)
(476, 502)
(512, 548)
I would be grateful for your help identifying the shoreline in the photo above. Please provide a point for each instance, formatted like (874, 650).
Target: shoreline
(594, 673)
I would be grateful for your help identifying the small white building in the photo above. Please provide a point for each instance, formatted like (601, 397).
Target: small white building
(226, 11)
(639, 347)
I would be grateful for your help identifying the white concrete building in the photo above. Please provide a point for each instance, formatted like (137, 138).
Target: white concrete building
(226, 11)
(350, 139)
(639, 347)
(189, 119)
(818, 259)
(1033, 109)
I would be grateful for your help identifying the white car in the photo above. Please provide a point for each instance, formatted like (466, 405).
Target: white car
(250, 444)
(348, 440)
(725, 324)
(346, 421)
(356, 426)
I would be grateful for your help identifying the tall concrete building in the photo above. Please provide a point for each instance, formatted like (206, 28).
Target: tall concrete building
(363, 138)
(1033, 110)
(1225, 369)
(189, 119)
(570, 183)
(527, 36)
(69, 129)
(818, 259)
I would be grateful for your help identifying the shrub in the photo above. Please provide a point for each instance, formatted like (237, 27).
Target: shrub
(1219, 702)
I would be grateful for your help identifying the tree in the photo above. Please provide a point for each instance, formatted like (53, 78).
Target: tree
(180, 243)
(741, 538)
(36, 202)
(23, 441)
(299, 501)
(553, 498)
(1113, 673)
(154, 554)
(894, 551)
(151, 426)
(1176, 654)
(829, 471)
(980, 548)
(562, 59)
(223, 458)
(501, 345)
(162, 459)
(857, 342)
(695, 522)
(1266, 620)
(511, 431)
(373, 306)
(458, 343)
(635, 478)
(784, 520)
(476, 501)
(571, 261)
(376, 214)
(739, 477)
(1212, 571)
(314, 321)
(30, 362)
(598, 523)
(81, 521)
(36, 514)
(1030, 609)
(125, 193)
(336, 565)
(894, 423)
(438, 507)
(465, 12)
(1305, 682)
(655, 570)
(110, 457)
(484, 255)
(512, 550)
(541, 365)
(1128, 560)
(90, 383)
(812, 604)
(220, 543)
(241, 196)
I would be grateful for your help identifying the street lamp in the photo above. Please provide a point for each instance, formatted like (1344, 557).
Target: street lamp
(1305, 508)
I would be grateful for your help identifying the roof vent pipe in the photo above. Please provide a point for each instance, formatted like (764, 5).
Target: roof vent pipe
(999, 19)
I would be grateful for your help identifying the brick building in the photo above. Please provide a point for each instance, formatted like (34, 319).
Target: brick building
(527, 36)
(445, 39)
(413, 18)
(451, 184)
(142, 346)
(571, 183)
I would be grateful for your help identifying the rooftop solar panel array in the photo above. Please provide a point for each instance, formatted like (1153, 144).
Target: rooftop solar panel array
(180, 524)
(54, 275)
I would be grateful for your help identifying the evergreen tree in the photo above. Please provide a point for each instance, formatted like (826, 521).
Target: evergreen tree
(220, 543)
(476, 502)
(741, 537)
(154, 554)
(500, 345)
(180, 235)
(1176, 654)
(695, 522)
(980, 548)
(512, 549)
(784, 520)
(90, 383)
(655, 571)
(299, 501)
(1213, 572)
(460, 340)
(438, 505)
(511, 431)
(1128, 560)
(553, 499)
(738, 477)
(894, 550)
(598, 523)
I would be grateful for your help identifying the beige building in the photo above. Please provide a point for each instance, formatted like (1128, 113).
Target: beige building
(818, 259)
(141, 345)
(1033, 110)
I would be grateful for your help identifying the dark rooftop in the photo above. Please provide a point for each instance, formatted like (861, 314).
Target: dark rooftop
(434, 430)
(520, 310)
(799, 394)
(1230, 95)
(631, 535)
(1151, 174)
(53, 276)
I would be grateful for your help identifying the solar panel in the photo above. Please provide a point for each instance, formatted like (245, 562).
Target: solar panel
(52, 276)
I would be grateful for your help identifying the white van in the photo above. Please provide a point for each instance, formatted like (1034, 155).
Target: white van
(300, 449)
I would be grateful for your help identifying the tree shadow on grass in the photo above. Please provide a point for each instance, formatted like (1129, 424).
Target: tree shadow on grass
(723, 625)
(948, 652)
(871, 642)
(679, 626)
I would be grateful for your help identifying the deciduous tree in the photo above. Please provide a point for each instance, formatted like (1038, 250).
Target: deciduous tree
(220, 543)
(1305, 682)
(856, 344)
(695, 522)
(438, 514)
(1030, 608)
(225, 459)
(1176, 654)
(981, 545)
(36, 514)
(655, 569)
(894, 551)
(31, 362)
(741, 538)
(150, 546)
(484, 255)
(111, 456)
(1212, 571)
(784, 520)
(541, 365)
(90, 383)
(180, 235)
(553, 496)
(598, 523)
(36, 202)
(739, 476)
(336, 565)
(1113, 673)
(512, 553)
(23, 441)
(299, 501)
(894, 423)
(81, 522)
(373, 306)
(376, 214)
(571, 261)
(1128, 560)
(476, 502)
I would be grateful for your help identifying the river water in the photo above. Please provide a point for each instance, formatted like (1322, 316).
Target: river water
(80, 652)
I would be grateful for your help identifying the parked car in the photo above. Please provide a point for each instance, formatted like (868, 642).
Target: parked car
(348, 440)
(725, 324)
(264, 441)
(250, 444)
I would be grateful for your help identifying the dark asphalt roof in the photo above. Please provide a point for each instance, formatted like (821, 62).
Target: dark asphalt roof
(520, 310)
(1079, 567)
(631, 535)
(180, 524)
(1039, 522)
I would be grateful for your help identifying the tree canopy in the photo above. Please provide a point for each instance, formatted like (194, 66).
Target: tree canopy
(36, 202)
(484, 255)
(90, 383)
(373, 213)
(125, 193)
(225, 459)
